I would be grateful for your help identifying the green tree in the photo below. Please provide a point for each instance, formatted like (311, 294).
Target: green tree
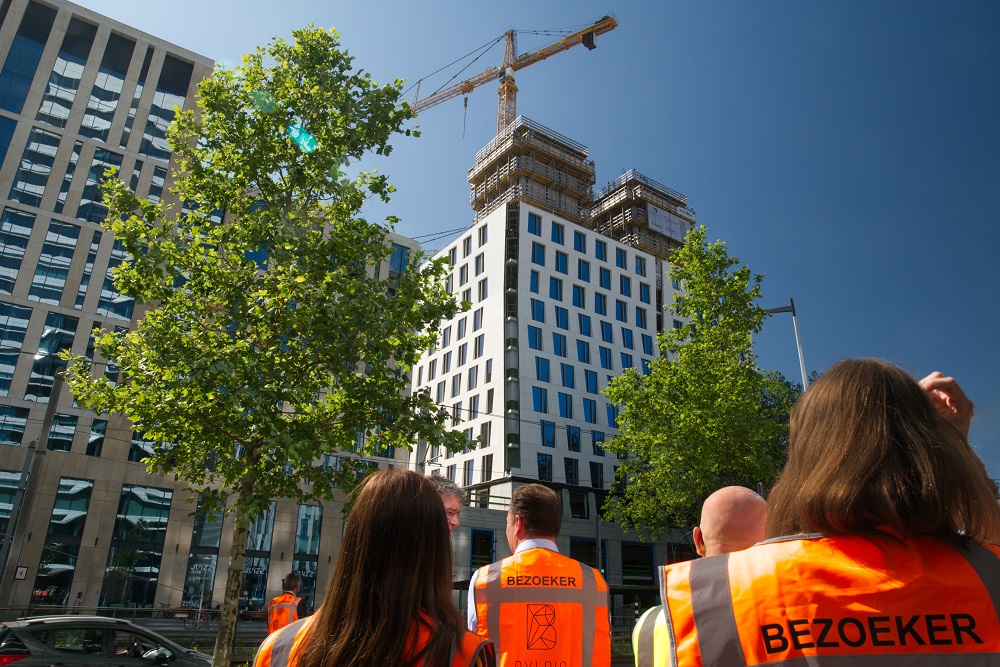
(268, 343)
(706, 416)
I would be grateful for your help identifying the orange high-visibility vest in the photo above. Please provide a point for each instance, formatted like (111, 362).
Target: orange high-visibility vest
(837, 600)
(282, 649)
(282, 611)
(542, 608)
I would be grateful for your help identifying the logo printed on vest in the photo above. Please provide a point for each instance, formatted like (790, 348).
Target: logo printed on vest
(541, 627)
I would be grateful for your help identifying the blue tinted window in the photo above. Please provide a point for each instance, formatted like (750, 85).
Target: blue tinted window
(538, 254)
(583, 351)
(548, 434)
(583, 270)
(15, 229)
(579, 296)
(555, 289)
(540, 396)
(640, 266)
(562, 262)
(584, 324)
(606, 358)
(627, 338)
(607, 333)
(18, 71)
(573, 438)
(626, 361)
(558, 233)
(598, 442)
(542, 369)
(640, 317)
(621, 258)
(579, 242)
(644, 292)
(533, 282)
(534, 338)
(601, 250)
(545, 467)
(621, 311)
(600, 304)
(647, 344)
(565, 406)
(534, 224)
(562, 318)
(605, 278)
(7, 127)
(590, 411)
(537, 310)
(568, 376)
(625, 285)
(64, 80)
(559, 344)
(590, 379)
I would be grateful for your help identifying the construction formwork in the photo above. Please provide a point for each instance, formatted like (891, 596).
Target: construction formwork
(529, 162)
(638, 211)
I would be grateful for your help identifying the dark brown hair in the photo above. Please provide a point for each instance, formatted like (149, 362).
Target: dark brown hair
(291, 581)
(539, 507)
(867, 449)
(394, 563)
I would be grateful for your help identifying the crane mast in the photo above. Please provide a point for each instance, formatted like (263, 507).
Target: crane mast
(507, 103)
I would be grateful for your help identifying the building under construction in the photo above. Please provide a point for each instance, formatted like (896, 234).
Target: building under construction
(567, 291)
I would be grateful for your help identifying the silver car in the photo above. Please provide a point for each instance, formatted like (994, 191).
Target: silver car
(89, 641)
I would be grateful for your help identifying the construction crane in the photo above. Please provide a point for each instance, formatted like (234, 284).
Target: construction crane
(507, 105)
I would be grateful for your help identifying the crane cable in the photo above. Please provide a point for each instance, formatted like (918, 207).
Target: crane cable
(485, 46)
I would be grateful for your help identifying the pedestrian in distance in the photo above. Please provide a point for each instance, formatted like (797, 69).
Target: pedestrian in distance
(389, 601)
(538, 606)
(878, 526)
(732, 519)
(288, 607)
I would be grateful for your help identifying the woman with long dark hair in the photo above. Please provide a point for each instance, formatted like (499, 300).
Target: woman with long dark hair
(389, 602)
(878, 528)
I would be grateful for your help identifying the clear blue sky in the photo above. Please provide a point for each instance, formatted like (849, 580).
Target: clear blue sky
(849, 151)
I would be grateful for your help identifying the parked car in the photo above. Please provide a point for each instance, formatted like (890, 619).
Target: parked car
(89, 641)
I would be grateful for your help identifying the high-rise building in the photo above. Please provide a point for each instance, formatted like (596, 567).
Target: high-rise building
(80, 92)
(566, 292)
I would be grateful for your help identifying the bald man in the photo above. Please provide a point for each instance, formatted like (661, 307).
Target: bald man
(732, 519)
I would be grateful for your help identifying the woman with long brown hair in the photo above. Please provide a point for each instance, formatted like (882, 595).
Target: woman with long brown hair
(389, 602)
(878, 527)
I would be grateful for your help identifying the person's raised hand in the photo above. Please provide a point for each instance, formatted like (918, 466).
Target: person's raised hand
(949, 400)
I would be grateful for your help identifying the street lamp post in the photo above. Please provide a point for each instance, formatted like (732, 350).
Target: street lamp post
(790, 308)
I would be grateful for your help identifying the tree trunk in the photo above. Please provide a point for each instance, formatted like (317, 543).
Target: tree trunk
(230, 603)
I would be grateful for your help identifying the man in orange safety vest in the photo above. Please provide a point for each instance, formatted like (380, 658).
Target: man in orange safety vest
(538, 606)
(287, 607)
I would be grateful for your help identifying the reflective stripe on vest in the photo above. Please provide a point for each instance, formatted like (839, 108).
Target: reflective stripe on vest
(591, 599)
(282, 644)
(280, 614)
(948, 626)
(646, 654)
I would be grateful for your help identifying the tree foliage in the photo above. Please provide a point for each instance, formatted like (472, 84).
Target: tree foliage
(268, 342)
(706, 416)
